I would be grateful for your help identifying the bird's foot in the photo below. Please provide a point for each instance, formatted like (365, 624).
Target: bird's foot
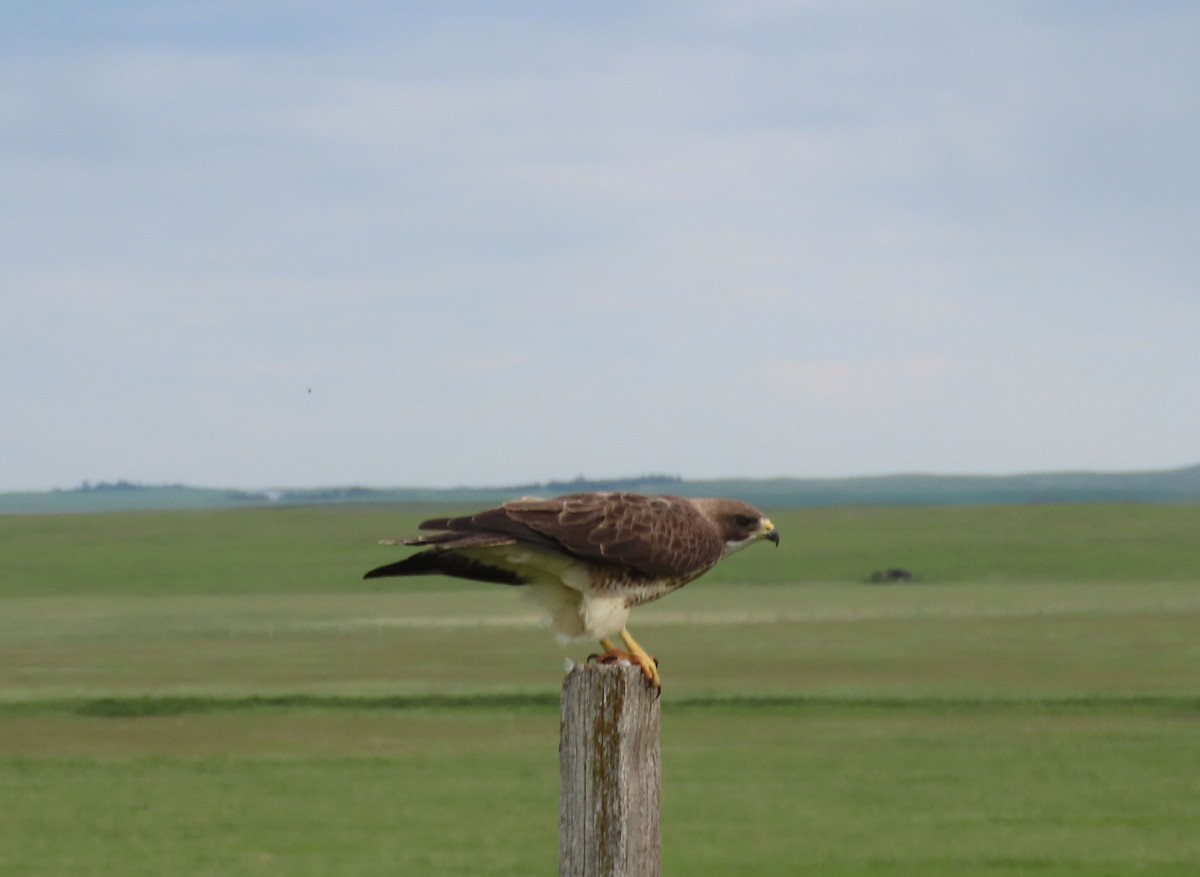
(649, 665)
(612, 656)
(647, 662)
(635, 657)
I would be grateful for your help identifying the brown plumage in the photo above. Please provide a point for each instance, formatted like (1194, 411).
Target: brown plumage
(588, 557)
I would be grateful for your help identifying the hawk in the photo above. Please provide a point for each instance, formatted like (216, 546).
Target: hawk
(588, 558)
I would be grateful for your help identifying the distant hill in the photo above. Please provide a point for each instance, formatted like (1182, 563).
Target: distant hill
(1168, 486)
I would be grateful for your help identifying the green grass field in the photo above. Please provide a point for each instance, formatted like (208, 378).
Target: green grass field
(218, 693)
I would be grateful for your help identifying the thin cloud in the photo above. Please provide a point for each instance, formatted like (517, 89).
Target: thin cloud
(695, 229)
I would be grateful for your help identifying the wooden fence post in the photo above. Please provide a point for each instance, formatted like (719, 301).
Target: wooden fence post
(611, 774)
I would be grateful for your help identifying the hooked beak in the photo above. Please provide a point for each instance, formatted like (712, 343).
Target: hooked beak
(769, 532)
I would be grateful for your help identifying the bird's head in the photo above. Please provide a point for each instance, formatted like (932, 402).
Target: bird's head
(739, 523)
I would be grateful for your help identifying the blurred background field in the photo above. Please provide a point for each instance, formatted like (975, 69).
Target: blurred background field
(219, 692)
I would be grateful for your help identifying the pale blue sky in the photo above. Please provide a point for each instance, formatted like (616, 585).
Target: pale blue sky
(510, 242)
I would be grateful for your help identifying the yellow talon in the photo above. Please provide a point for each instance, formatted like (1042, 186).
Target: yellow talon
(639, 656)
(636, 655)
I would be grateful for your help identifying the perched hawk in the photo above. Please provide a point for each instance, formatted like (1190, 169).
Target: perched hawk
(588, 558)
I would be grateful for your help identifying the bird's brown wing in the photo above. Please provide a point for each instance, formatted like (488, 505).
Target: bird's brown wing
(658, 536)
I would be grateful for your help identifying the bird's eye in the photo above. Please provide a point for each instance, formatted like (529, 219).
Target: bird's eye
(744, 520)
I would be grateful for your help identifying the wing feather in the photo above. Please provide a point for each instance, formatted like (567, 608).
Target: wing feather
(656, 536)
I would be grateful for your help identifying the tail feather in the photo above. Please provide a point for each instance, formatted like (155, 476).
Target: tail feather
(447, 563)
(452, 539)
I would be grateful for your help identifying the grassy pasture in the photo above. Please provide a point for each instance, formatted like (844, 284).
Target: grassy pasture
(326, 549)
(218, 693)
(790, 788)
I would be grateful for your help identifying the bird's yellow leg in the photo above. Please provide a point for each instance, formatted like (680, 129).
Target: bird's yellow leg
(611, 654)
(638, 655)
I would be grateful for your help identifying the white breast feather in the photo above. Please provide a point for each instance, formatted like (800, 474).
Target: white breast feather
(604, 617)
(563, 607)
(561, 587)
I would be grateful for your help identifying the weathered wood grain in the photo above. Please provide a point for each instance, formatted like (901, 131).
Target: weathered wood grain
(611, 774)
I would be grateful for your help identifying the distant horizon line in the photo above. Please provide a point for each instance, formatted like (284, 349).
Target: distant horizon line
(87, 485)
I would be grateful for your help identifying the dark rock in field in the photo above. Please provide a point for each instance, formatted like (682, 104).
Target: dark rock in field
(888, 576)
